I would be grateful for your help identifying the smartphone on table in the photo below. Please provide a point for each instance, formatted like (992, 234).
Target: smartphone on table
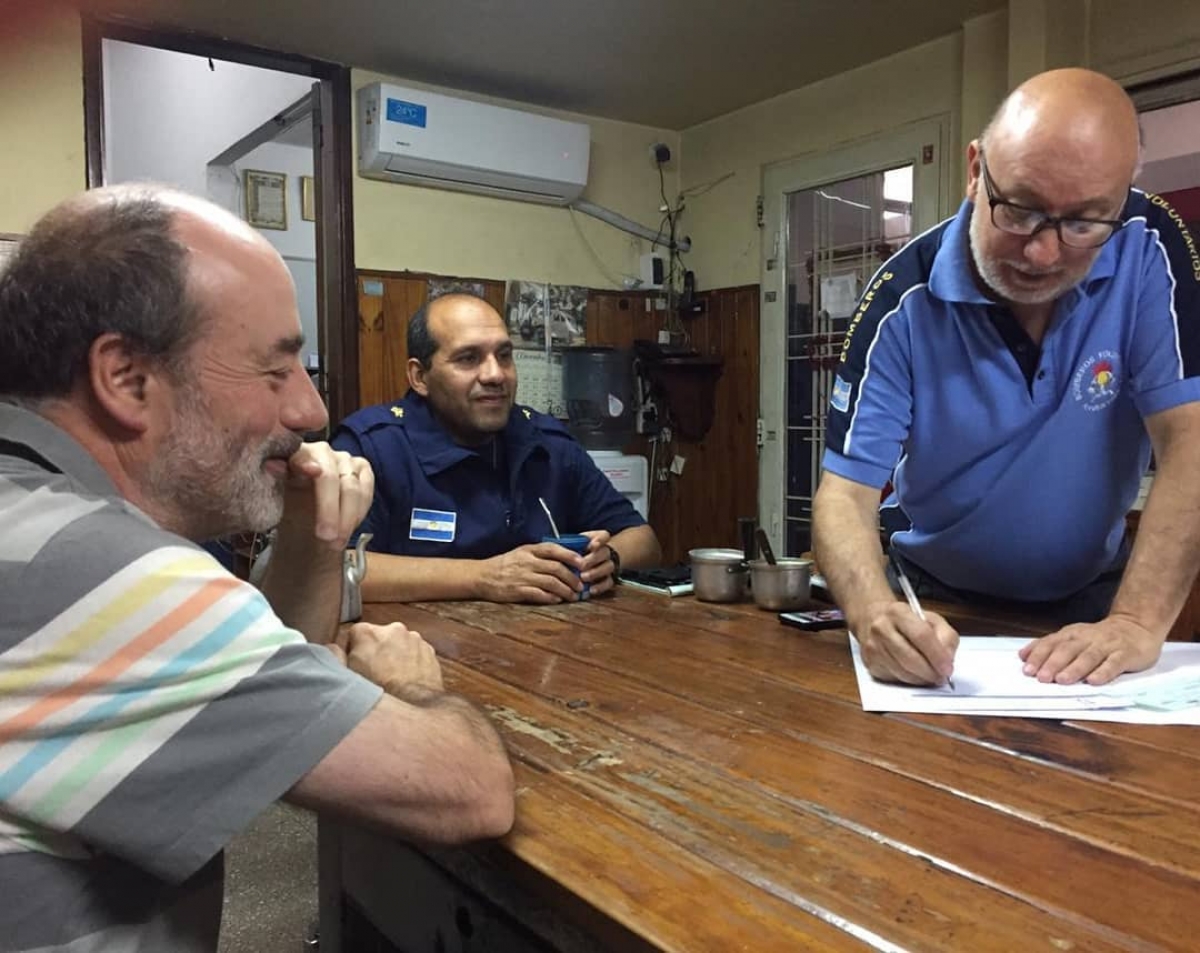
(814, 620)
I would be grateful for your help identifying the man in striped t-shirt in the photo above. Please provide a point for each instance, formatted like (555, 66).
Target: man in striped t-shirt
(150, 703)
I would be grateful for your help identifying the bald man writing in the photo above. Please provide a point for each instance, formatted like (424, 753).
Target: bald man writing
(1009, 373)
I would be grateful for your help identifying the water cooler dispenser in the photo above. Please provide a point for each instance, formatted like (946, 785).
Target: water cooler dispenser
(628, 473)
(598, 387)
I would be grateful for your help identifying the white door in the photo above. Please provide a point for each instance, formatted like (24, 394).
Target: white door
(831, 220)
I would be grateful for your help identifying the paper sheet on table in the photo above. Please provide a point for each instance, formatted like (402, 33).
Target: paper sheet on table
(988, 681)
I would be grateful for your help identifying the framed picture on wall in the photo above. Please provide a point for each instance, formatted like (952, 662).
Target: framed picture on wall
(266, 199)
(308, 199)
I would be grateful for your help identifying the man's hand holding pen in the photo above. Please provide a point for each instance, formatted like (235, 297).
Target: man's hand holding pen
(903, 643)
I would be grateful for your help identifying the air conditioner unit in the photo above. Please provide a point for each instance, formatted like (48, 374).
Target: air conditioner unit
(420, 138)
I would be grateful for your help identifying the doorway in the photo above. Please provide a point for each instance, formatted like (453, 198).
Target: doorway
(265, 134)
(833, 220)
(1169, 113)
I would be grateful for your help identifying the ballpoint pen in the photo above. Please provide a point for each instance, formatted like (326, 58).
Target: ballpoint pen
(911, 596)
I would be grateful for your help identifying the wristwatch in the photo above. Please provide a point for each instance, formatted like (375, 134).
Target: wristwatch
(616, 561)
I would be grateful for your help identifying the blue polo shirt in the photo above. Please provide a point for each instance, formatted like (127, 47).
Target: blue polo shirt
(1011, 471)
(434, 497)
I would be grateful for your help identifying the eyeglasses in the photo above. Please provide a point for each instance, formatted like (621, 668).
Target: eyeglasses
(1027, 222)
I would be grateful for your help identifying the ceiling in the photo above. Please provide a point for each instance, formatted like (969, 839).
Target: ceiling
(664, 63)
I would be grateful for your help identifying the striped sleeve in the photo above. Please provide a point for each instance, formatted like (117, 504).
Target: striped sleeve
(154, 713)
(1165, 353)
(871, 406)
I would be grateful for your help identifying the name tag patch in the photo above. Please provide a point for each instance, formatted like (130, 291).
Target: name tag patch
(434, 525)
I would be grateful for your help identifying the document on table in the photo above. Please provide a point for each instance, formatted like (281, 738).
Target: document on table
(988, 681)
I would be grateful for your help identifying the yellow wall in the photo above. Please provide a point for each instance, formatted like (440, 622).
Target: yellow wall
(41, 117)
(396, 227)
(1144, 40)
(963, 76)
(399, 227)
(984, 73)
(919, 83)
(402, 227)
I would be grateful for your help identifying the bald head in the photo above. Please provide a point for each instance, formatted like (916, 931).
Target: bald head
(423, 339)
(1062, 147)
(466, 372)
(1070, 117)
(447, 307)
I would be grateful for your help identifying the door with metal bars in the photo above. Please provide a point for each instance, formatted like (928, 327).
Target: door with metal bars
(828, 239)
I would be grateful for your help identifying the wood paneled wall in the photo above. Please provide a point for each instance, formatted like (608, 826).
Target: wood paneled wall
(719, 482)
(720, 474)
(382, 329)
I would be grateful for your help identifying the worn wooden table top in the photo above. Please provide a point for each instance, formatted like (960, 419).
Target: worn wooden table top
(695, 776)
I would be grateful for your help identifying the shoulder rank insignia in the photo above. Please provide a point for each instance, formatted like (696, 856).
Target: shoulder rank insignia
(397, 411)
(527, 412)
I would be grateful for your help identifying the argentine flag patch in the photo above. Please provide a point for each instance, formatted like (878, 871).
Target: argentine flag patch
(841, 394)
(437, 526)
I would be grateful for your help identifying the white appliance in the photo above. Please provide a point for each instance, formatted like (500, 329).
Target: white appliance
(628, 473)
(420, 138)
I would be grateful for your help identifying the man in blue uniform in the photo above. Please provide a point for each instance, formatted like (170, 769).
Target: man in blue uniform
(1009, 372)
(461, 473)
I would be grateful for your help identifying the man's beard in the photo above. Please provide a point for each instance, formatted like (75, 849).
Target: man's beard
(992, 270)
(216, 486)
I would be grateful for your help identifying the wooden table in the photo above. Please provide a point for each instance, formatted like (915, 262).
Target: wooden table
(697, 777)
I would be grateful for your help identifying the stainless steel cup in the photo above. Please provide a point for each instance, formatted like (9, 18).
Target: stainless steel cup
(718, 575)
(782, 587)
(354, 568)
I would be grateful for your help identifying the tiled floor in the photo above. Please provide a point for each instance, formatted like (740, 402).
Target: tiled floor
(271, 884)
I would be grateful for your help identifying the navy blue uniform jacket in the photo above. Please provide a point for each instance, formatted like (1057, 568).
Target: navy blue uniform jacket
(436, 498)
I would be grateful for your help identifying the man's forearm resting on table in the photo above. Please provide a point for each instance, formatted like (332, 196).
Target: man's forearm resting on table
(417, 578)
(303, 584)
(429, 578)
(846, 544)
(1166, 551)
(414, 769)
(638, 547)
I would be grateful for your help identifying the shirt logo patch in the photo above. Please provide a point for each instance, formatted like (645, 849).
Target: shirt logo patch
(1098, 380)
(841, 394)
(436, 526)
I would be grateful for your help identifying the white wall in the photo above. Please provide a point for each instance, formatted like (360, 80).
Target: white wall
(168, 114)
(920, 83)
(297, 244)
(225, 186)
(304, 276)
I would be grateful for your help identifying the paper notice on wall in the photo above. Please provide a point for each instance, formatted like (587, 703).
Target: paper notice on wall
(839, 295)
(540, 381)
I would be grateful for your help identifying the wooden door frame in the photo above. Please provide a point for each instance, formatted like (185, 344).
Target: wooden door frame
(335, 219)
